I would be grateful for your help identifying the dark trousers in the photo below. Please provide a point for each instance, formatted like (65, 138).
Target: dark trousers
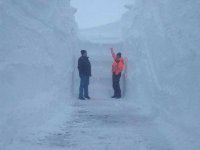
(83, 89)
(116, 85)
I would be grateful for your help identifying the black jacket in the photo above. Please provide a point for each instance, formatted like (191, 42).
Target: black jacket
(84, 66)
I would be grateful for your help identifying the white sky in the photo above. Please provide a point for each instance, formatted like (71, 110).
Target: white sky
(93, 13)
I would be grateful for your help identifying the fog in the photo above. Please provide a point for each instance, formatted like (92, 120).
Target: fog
(91, 13)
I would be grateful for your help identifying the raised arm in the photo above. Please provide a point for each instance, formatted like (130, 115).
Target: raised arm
(113, 53)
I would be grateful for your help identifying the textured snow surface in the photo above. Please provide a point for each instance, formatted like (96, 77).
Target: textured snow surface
(39, 81)
(37, 38)
(162, 43)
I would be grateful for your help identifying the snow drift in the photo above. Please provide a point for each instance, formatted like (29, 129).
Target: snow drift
(36, 42)
(162, 43)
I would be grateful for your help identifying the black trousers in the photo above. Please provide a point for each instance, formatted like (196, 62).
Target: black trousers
(116, 85)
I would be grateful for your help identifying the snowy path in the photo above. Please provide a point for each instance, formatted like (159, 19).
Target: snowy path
(107, 125)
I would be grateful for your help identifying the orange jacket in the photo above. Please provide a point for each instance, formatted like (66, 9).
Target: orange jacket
(118, 63)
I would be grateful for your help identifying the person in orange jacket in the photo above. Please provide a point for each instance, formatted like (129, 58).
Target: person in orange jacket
(117, 68)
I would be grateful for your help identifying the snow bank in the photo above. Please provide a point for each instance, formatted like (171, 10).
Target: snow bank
(162, 43)
(37, 39)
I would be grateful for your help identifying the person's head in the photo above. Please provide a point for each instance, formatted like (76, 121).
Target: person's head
(119, 55)
(83, 52)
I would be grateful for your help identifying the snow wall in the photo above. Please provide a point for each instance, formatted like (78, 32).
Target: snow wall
(162, 43)
(37, 39)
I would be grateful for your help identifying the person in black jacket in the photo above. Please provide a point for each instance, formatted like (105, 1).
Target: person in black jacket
(84, 68)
